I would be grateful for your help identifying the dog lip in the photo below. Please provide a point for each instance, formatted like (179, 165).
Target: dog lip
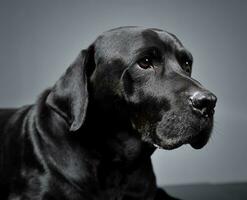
(197, 145)
(200, 140)
(168, 146)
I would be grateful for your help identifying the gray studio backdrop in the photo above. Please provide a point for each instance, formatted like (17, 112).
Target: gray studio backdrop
(39, 39)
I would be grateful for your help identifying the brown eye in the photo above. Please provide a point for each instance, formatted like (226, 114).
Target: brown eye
(187, 66)
(145, 63)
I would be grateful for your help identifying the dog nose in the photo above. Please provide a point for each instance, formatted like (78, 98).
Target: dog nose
(203, 103)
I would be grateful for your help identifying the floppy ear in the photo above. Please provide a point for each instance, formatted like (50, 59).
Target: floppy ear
(69, 96)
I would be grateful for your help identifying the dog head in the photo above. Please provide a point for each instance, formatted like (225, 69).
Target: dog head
(146, 75)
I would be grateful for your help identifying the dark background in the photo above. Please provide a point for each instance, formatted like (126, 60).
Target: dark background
(39, 39)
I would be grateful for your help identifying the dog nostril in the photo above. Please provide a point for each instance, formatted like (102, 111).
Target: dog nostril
(204, 103)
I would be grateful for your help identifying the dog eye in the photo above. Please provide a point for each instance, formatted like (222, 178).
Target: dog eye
(145, 63)
(187, 66)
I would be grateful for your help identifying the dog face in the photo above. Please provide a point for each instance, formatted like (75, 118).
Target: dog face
(150, 70)
(145, 75)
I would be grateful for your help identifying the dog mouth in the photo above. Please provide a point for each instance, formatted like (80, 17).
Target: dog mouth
(174, 129)
(197, 142)
(194, 133)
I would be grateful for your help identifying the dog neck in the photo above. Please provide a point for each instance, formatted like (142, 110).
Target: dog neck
(108, 136)
(111, 133)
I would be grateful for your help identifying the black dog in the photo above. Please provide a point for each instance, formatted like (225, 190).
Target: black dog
(91, 135)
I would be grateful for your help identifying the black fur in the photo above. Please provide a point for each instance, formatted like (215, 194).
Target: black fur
(91, 135)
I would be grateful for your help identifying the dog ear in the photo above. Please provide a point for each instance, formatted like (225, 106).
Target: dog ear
(69, 96)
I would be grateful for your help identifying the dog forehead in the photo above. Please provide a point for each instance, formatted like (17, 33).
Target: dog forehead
(126, 41)
(119, 42)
